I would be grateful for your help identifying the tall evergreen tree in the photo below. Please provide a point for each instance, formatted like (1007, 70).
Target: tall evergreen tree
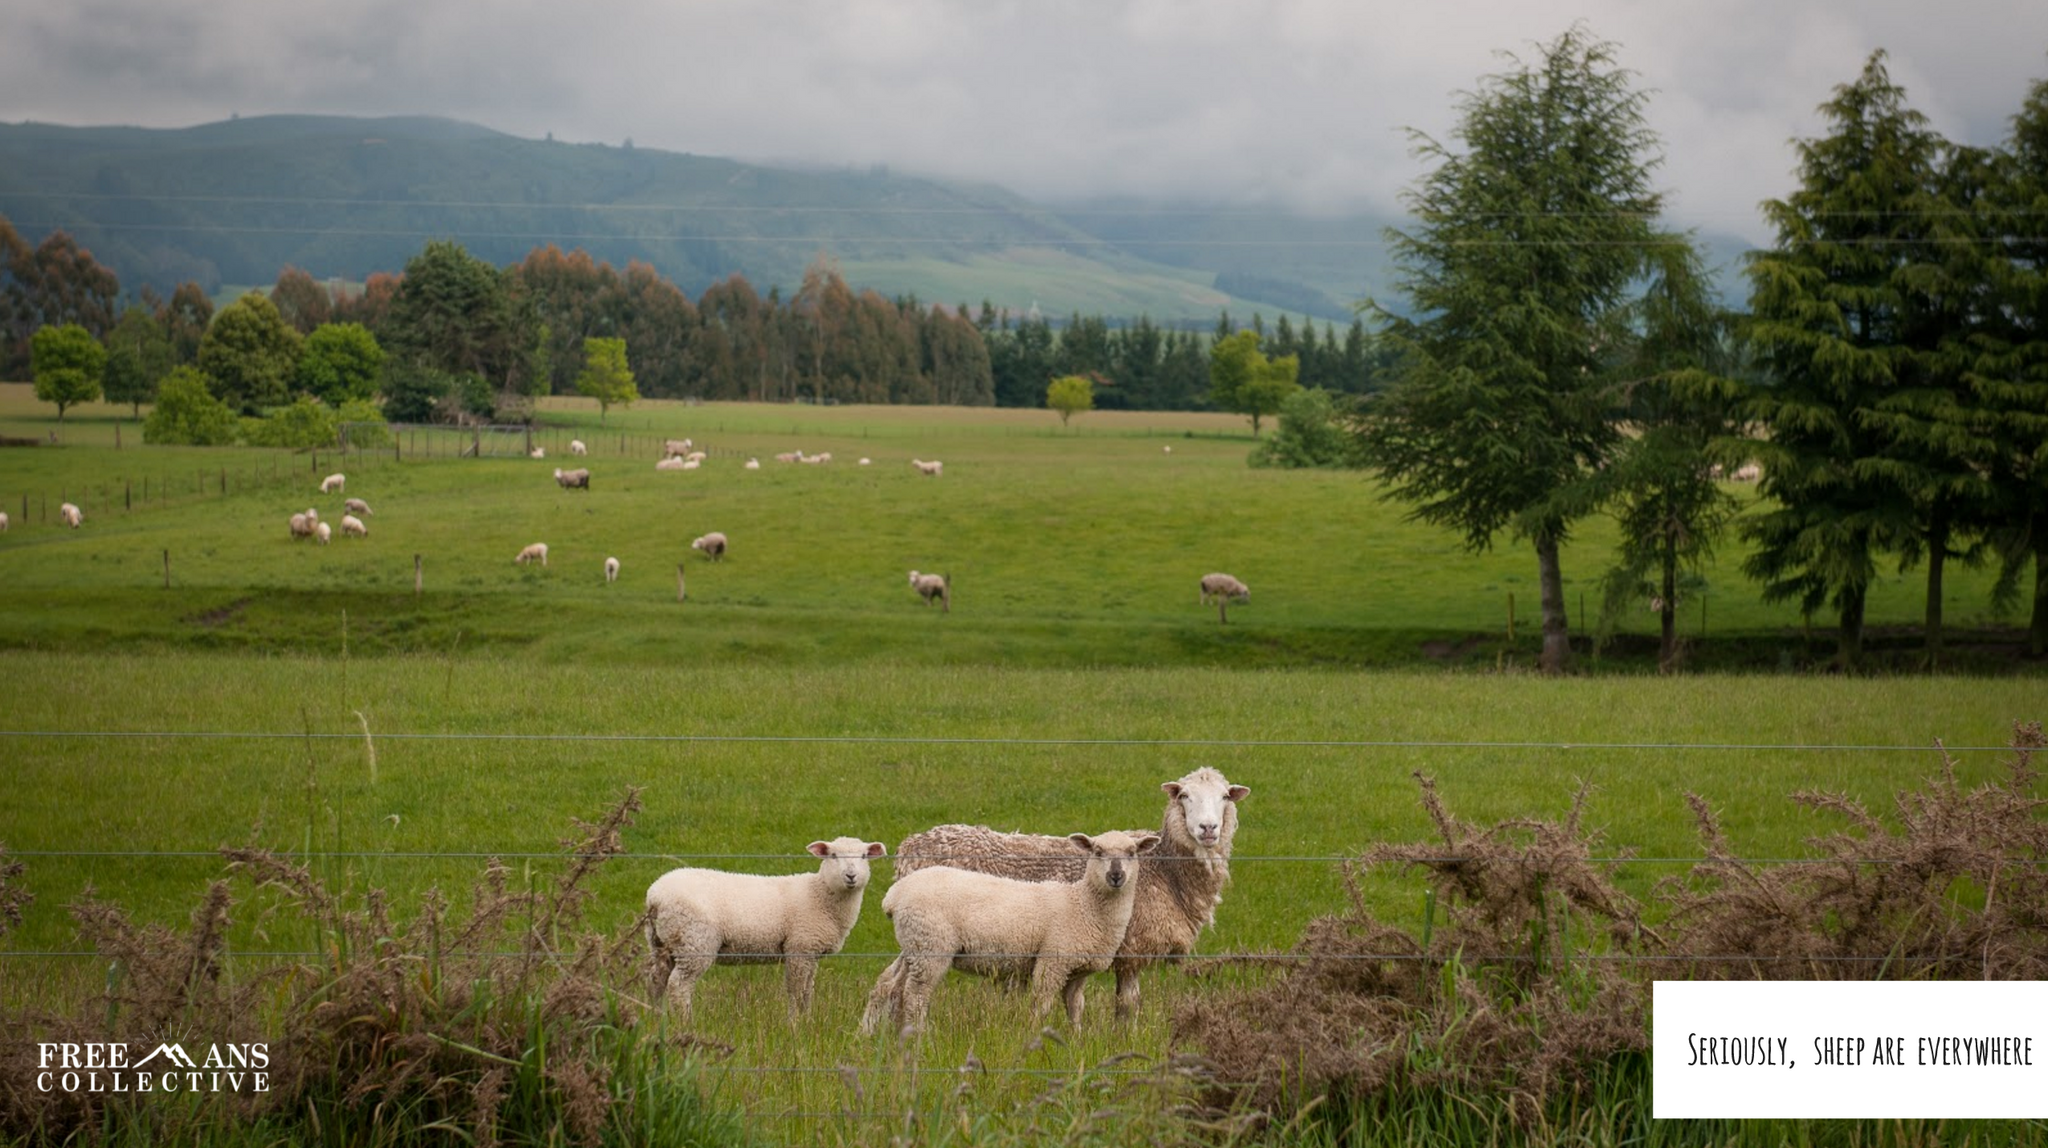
(2011, 381)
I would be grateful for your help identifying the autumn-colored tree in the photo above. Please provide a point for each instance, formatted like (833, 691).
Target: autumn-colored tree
(304, 303)
(370, 306)
(67, 361)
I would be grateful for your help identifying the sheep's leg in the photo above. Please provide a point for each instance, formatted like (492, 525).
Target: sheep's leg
(800, 976)
(692, 951)
(1047, 982)
(886, 997)
(920, 980)
(1126, 989)
(1075, 980)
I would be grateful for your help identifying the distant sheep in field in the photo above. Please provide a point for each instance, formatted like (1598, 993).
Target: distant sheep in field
(752, 464)
(611, 570)
(323, 532)
(931, 586)
(312, 514)
(537, 452)
(356, 506)
(578, 479)
(933, 468)
(675, 448)
(1179, 887)
(1051, 933)
(866, 461)
(700, 917)
(696, 456)
(538, 552)
(789, 456)
(1748, 472)
(691, 464)
(3, 522)
(302, 527)
(670, 463)
(71, 515)
(1168, 448)
(1221, 587)
(351, 526)
(333, 483)
(712, 544)
(576, 447)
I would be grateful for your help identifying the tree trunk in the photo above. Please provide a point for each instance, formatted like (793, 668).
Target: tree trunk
(1667, 649)
(2037, 632)
(1556, 636)
(1849, 640)
(1937, 555)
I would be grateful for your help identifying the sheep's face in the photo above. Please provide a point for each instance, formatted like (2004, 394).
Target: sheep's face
(845, 861)
(1208, 805)
(1113, 856)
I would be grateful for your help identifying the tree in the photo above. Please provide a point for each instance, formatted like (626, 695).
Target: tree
(605, 376)
(250, 355)
(1309, 434)
(1829, 318)
(185, 317)
(139, 354)
(67, 362)
(453, 314)
(187, 414)
(1517, 271)
(2011, 380)
(341, 361)
(1070, 395)
(307, 424)
(1242, 379)
(303, 302)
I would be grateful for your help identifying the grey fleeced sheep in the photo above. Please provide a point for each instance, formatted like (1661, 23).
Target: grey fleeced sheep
(1216, 587)
(712, 544)
(1178, 889)
(578, 479)
(930, 586)
(700, 917)
(1051, 933)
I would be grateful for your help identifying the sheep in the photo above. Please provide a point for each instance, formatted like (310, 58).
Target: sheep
(752, 464)
(1748, 472)
(933, 469)
(578, 479)
(356, 506)
(333, 483)
(611, 570)
(538, 550)
(789, 456)
(71, 515)
(324, 532)
(670, 463)
(537, 452)
(350, 524)
(691, 463)
(712, 544)
(932, 586)
(1178, 890)
(302, 527)
(312, 514)
(866, 461)
(1168, 448)
(700, 917)
(1217, 587)
(1051, 933)
(3, 522)
(675, 448)
(576, 447)
(696, 456)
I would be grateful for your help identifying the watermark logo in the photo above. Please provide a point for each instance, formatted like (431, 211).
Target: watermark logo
(97, 1066)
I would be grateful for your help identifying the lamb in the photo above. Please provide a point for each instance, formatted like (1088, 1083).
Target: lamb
(696, 456)
(351, 525)
(332, 484)
(1177, 890)
(1053, 933)
(576, 447)
(675, 448)
(536, 552)
(932, 586)
(752, 464)
(712, 544)
(578, 479)
(537, 452)
(1217, 587)
(700, 917)
(302, 527)
(931, 468)
(611, 570)
(691, 463)
(356, 506)
(324, 532)
(789, 456)
(71, 515)
(671, 463)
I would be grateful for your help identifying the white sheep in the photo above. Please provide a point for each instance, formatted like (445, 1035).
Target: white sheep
(3, 522)
(1168, 448)
(1179, 888)
(675, 448)
(537, 452)
(712, 544)
(351, 525)
(332, 484)
(576, 447)
(696, 456)
(1051, 933)
(611, 570)
(700, 917)
(932, 586)
(302, 527)
(752, 464)
(536, 552)
(1217, 587)
(866, 461)
(933, 468)
(1748, 472)
(692, 463)
(578, 479)
(324, 532)
(356, 506)
(789, 456)
(71, 515)
(312, 515)
(671, 463)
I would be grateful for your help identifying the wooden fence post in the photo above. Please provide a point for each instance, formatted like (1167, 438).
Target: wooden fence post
(1511, 615)
(680, 593)
(167, 569)
(419, 583)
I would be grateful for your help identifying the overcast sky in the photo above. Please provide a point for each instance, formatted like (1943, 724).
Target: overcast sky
(1304, 102)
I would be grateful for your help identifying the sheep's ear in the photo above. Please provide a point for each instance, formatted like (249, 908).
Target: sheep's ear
(1172, 788)
(876, 849)
(1082, 841)
(1238, 792)
(1148, 843)
(820, 848)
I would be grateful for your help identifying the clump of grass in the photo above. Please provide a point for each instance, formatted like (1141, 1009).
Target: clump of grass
(14, 899)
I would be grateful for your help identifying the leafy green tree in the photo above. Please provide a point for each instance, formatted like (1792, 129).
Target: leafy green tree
(1070, 395)
(605, 376)
(67, 362)
(341, 361)
(1242, 379)
(453, 314)
(1518, 273)
(307, 424)
(187, 414)
(250, 354)
(1829, 318)
(139, 355)
(1309, 434)
(185, 317)
(414, 394)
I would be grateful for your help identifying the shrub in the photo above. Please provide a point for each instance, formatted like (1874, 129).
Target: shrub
(1308, 434)
(307, 424)
(187, 414)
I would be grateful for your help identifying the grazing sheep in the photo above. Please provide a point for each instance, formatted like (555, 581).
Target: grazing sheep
(312, 515)
(302, 527)
(356, 506)
(700, 917)
(1177, 890)
(671, 463)
(324, 532)
(537, 452)
(537, 551)
(789, 456)
(1168, 448)
(931, 468)
(675, 448)
(332, 484)
(578, 479)
(866, 461)
(712, 544)
(932, 586)
(576, 447)
(1216, 587)
(71, 515)
(3, 522)
(350, 524)
(611, 570)
(752, 464)
(1051, 933)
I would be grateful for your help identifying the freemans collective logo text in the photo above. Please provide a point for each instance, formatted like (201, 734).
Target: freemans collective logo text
(108, 1067)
